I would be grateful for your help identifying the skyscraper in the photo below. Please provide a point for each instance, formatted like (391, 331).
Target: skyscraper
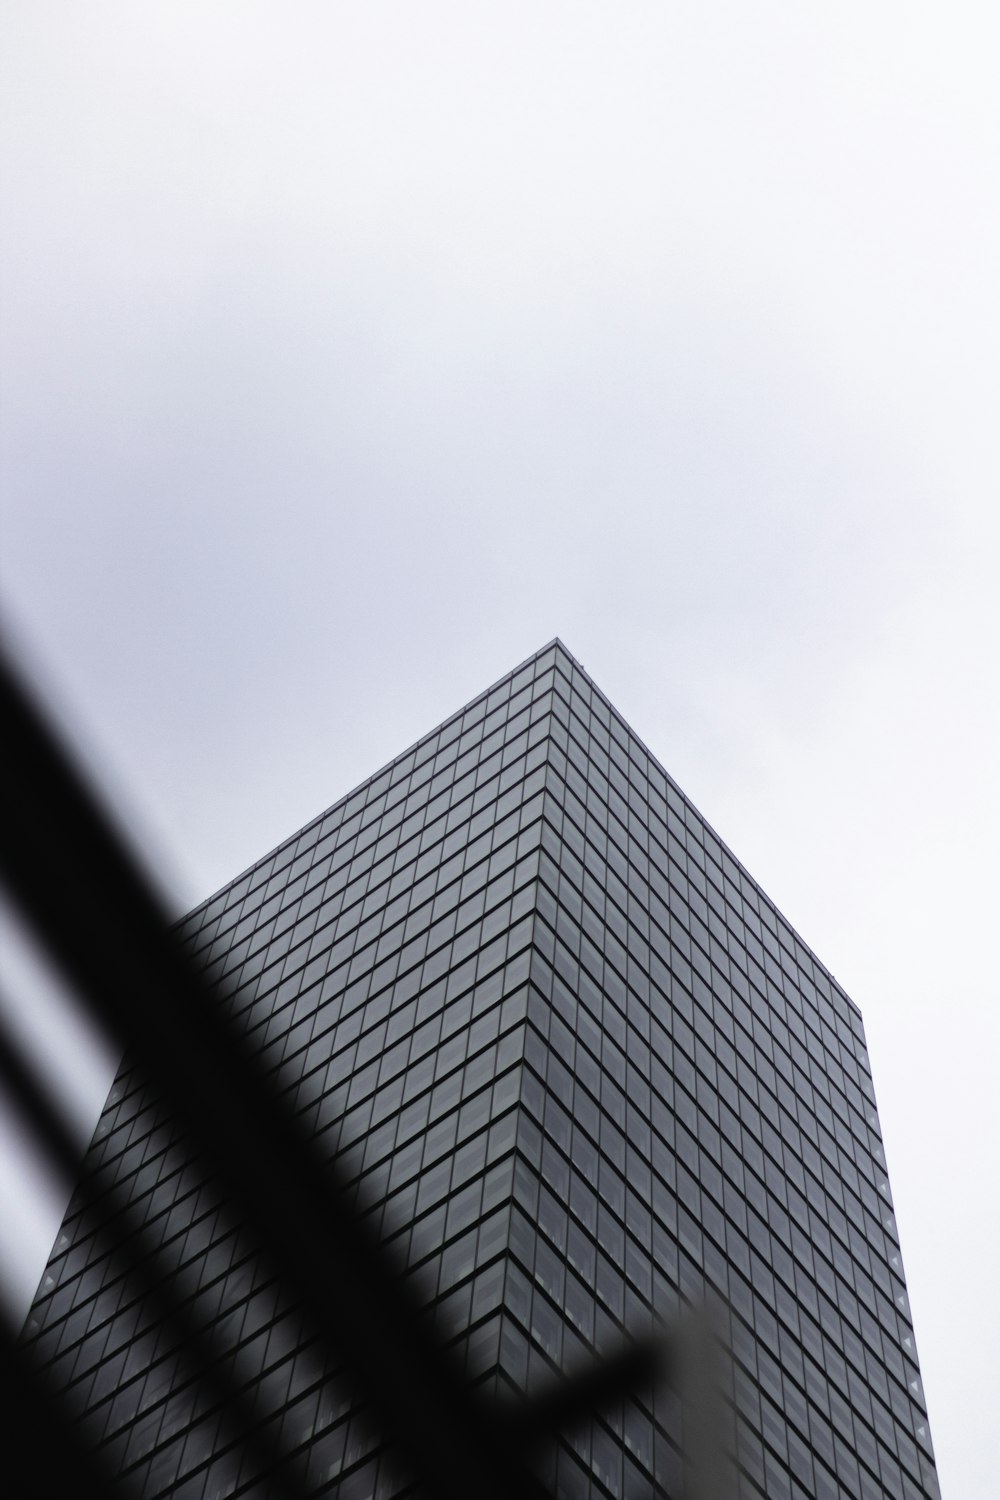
(579, 1069)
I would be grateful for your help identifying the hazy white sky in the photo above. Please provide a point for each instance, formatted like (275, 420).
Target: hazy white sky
(350, 353)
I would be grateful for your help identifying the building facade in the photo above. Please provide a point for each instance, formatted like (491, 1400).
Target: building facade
(580, 1070)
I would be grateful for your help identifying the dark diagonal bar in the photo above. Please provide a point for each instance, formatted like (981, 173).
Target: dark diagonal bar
(45, 1454)
(139, 1257)
(73, 879)
(105, 926)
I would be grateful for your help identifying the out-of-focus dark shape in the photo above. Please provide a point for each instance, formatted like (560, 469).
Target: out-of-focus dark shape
(104, 924)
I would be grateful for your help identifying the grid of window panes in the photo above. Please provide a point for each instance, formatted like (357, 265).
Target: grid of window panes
(697, 1110)
(577, 1065)
(381, 958)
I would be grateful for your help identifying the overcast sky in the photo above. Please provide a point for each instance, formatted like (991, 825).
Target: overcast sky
(349, 353)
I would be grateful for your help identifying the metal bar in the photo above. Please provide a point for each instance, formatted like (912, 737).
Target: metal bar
(143, 1264)
(106, 928)
(46, 1456)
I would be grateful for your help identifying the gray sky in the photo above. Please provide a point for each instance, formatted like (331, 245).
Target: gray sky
(350, 353)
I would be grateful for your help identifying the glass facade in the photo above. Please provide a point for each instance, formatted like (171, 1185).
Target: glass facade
(579, 1069)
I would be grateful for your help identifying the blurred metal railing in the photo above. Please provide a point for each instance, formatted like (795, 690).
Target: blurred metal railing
(100, 918)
